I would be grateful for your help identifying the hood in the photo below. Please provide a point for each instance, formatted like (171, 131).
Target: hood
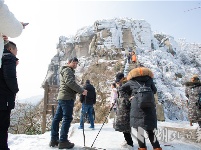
(139, 72)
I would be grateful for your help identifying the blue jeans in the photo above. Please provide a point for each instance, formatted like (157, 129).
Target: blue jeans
(87, 109)
(65, 111)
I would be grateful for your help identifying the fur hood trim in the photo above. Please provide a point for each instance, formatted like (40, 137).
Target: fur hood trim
(141, 71)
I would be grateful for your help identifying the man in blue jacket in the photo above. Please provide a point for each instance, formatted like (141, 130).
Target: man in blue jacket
(8, 90)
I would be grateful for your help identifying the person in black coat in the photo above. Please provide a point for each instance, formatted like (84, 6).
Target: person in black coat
(122, 119)
(141, 119)
(8, 90)
(87, 104)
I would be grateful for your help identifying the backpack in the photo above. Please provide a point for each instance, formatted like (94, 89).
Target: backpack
(145, 97)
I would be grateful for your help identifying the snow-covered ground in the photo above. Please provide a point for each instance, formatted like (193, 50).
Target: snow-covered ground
(107, 139)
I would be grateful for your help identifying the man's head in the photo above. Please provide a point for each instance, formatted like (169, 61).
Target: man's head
(72, 62)
(119, 76)
(10, 46)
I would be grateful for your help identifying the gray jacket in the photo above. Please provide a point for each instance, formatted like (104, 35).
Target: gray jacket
(68, 87)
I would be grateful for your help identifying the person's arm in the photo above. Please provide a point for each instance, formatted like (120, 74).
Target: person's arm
(186, 92)
(153, 87)
(94, 96)
(69, 78)
(9, 25)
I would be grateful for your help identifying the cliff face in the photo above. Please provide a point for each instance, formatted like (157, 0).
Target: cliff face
(173, 62)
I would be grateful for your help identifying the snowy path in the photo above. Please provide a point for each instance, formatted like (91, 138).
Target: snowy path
(107, 139)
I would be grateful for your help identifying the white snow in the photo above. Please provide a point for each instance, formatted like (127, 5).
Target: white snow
(107, 138)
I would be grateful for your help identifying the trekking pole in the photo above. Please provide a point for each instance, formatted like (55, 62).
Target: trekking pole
(103, 124)
(83, 116)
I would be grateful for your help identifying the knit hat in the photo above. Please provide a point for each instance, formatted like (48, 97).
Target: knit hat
(119, 76)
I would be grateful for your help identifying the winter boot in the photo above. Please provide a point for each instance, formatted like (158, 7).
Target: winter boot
(142, 148)
(53, 143)
(157, 148)
(66, 145)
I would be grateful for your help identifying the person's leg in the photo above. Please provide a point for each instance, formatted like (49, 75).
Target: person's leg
(191, 123)
(67, 109)
(128, 138)
(55, 123)
(141, 138)
(199, 122)
(90, 113)
(153, 139)
(83, 113)
(4, 125)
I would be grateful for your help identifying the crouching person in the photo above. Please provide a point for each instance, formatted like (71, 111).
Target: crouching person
(141, 119)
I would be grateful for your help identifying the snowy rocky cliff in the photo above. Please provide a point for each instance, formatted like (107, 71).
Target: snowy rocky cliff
(172, 61)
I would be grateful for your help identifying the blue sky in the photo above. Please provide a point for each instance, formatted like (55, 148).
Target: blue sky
(50, 19)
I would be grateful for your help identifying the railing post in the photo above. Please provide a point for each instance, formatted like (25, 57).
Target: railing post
(45, 107)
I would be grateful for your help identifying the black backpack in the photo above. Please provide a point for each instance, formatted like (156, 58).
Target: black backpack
(145, 97)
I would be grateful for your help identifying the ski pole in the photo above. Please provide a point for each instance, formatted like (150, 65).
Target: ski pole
(103, 124)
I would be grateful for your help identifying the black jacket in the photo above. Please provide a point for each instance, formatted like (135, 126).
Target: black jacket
(8, 81)
(91, 95)
(145, 118)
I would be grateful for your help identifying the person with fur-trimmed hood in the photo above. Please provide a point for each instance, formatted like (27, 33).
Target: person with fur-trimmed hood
(122, 121)
(141, 119)
(193, 88)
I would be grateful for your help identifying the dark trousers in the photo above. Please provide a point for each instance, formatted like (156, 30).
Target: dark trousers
(65, 112)
(152, 138)
(128, 138)
(4, 125)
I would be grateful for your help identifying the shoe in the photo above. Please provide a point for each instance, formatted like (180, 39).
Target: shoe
(66, 145)
(92, 128)
(53, 143)
(124, 144)
(80, 127)
(157, 148)
(142, 148)
(129, 147)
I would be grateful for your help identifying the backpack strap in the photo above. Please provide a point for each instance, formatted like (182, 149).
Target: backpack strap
(138, 83)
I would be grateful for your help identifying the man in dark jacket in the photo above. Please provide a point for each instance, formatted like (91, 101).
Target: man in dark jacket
(66, 97)
(87, 104)
(8, 90)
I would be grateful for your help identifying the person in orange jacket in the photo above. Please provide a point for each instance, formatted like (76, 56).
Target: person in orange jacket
(134, 58)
